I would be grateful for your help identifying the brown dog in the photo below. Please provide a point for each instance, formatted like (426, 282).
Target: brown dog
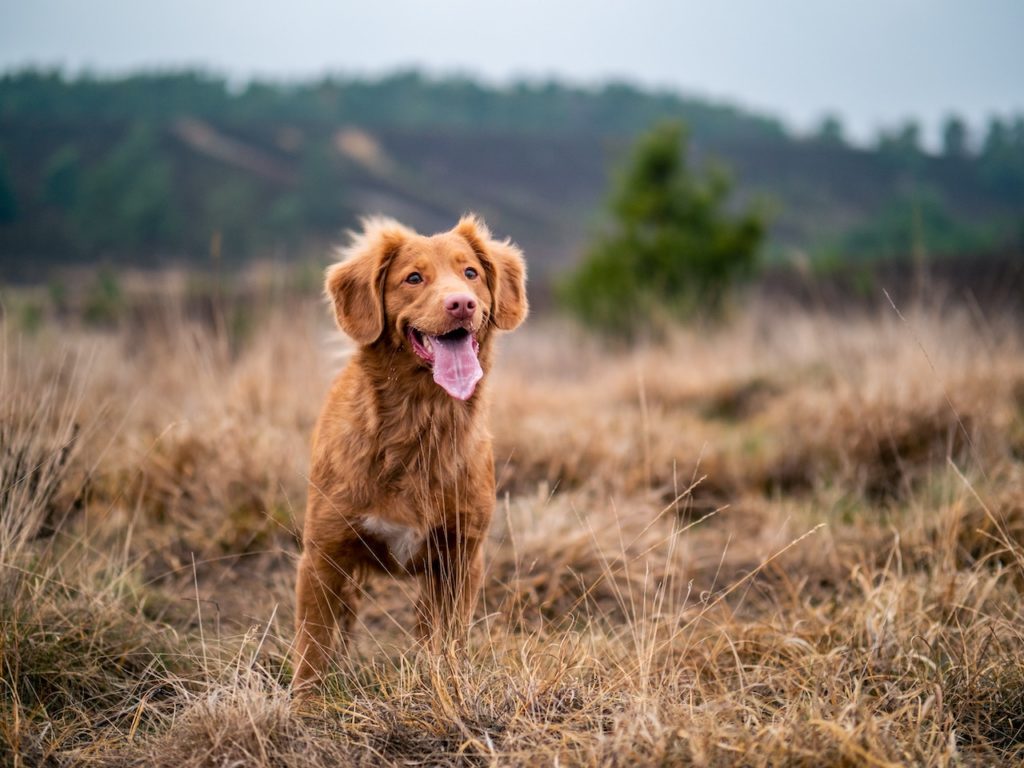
(402, 475)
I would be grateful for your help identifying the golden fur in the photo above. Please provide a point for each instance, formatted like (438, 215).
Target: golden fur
(402, 473)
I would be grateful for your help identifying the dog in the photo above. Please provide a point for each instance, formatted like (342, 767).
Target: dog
(402, 471)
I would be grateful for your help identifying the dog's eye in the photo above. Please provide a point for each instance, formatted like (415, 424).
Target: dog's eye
(470, 273)
(414, 278)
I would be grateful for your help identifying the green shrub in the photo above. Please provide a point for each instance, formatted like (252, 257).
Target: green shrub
(104, 302)
(675, 247)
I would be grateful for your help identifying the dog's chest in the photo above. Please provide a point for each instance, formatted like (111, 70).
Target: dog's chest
(403, 542)
(423, 449)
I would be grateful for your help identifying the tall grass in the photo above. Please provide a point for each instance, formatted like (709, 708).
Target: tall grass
(795, 540)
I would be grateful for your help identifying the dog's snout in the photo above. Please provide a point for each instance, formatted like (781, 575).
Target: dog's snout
(461, 306)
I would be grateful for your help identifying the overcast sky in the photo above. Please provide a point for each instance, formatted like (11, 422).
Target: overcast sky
(874, 62)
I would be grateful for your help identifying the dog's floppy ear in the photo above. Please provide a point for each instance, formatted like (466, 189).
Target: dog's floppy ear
(355, 285)
(506, 271)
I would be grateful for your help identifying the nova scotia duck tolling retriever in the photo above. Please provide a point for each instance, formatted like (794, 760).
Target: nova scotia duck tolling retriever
(402, 474)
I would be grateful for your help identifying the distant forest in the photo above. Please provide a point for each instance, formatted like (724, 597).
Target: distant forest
(157, 169)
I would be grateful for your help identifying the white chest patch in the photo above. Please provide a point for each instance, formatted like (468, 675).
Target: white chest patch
(403, 541)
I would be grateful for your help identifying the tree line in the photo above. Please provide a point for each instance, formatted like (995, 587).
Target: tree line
(96, 168)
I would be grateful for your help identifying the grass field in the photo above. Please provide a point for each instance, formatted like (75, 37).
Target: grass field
(794, 540)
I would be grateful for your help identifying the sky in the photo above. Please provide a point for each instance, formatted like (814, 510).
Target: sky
(874, 63)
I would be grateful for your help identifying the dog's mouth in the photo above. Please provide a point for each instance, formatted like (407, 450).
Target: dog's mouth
(453, 357)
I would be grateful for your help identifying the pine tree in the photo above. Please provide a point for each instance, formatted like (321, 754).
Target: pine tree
(674, 248)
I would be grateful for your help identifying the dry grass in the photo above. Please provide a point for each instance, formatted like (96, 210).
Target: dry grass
(798, 540)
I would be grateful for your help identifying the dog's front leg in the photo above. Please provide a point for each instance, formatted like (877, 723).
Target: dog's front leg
(449, 592)
(327, 596)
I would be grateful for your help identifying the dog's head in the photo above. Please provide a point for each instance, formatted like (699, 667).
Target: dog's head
(435, 298)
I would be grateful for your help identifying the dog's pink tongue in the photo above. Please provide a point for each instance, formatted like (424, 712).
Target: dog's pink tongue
(456, 367)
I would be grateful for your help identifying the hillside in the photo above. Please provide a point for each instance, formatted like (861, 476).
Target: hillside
(171, 168)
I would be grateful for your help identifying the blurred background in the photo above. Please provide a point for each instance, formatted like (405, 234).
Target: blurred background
(852, 146)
